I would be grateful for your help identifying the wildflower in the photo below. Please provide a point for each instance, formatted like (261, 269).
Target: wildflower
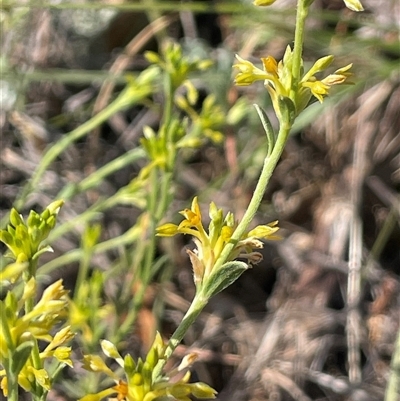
(209, 245)
(320, 89)
(25, 239)
(140, 383)
(278, 79)
(20, 332)
(175, 63)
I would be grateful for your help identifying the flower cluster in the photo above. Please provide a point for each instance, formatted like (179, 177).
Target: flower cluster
(210, 245)
(19, 333)
(175, 64)
(141, 383)
(278, 79)
(25, 239)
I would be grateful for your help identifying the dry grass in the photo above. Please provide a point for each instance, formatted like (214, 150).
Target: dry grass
(317, 320)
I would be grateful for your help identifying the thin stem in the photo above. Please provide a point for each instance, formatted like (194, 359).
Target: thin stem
(12, 387)
(74, 255)
(127, 97)
(31, 272)
(301, 16)
(157, 203)
(266, 173)
(168, 104)
(200, 302)
(284, 129)
(191, 315)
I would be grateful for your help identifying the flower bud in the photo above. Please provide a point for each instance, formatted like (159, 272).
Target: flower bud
(263, 3)
(354, 5)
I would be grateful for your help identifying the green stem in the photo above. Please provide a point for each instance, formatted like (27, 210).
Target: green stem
(31, 272)
(76, 254)
(12, 387)
(271, 161)
(127, 97)
(301, 16)
(157, 203)
(191, 315)
(266, 173)
(6, 333)
(200, 302)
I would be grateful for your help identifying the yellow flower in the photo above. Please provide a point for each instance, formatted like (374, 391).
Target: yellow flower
(20, 332)
(317, 88)
(41, 376)
(248, 73)
(140, 384)
(211, 243)
(278, 79)
(339, 76)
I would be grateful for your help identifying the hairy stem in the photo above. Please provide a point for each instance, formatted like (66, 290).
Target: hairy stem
(301, 16)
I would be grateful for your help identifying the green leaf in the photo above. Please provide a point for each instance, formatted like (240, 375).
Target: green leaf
(222, 278)
(21, 355)
(269, 131)
(41, 251)
(287, 109)
(6, 238)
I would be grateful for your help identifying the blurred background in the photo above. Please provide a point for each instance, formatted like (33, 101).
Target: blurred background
(279, 333)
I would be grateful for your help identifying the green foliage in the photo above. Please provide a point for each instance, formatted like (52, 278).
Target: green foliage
(103, 311)
(25, 239)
